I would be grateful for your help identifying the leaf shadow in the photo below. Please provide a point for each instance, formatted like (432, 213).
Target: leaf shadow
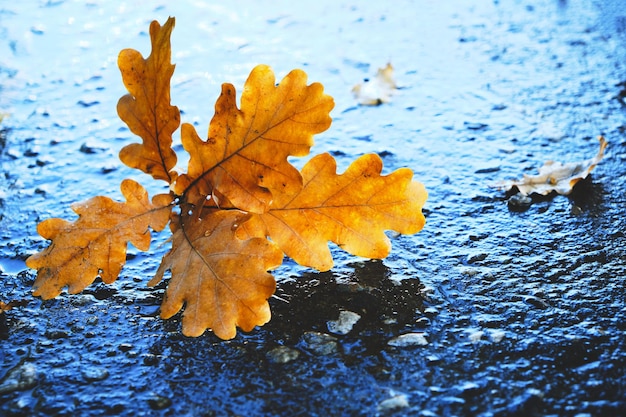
(309, 302)
(586, 196)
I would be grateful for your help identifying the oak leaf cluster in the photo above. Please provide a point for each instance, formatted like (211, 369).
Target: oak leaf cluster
(238, 208)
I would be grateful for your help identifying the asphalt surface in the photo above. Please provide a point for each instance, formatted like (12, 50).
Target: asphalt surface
(494, 309)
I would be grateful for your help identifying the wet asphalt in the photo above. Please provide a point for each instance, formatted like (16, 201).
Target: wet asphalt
(494, 309)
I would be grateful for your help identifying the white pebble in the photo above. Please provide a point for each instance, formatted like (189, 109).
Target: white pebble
(394, 403)
(345, 322)
(409, 339)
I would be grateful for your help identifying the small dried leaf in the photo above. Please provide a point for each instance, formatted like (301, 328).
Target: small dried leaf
(352, 209)
(555, 176)
(377, 90)
(95, 244)
(221, 279)
(13, 303)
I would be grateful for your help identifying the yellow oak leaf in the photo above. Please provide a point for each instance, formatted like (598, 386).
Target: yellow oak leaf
(245, 155)
(95, 244)
(147, 110)
(352, 209)
(222, 280)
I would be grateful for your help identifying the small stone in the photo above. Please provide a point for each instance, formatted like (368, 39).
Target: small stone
(476, 257)
(476, 336)
(158, 402)
(519, 202)
(21, 378)
(77, 328)
(283, 354)
(57, 334)
(487, 170)
(90, 149)
(468, 389)
(452, 400)
(106, 169)
(32, 152)
(93, 374)
(13, 154)
(320, 343)
(409, 339)
(576, 210)
(345, 322)
(475, 125)
(80, 300)
(38, 29)
(125, 347)
(150, 360)
(393, 404)
(87, 103)
(470, 272)
(536, 302)
(44, 160)
(488, 276)
(422, 322)
(432, 359)
(431, 311)
(497, 335)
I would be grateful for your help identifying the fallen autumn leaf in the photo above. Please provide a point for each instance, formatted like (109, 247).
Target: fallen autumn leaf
(555, 176)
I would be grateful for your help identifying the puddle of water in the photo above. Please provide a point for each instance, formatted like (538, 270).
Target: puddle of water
(12, 266)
